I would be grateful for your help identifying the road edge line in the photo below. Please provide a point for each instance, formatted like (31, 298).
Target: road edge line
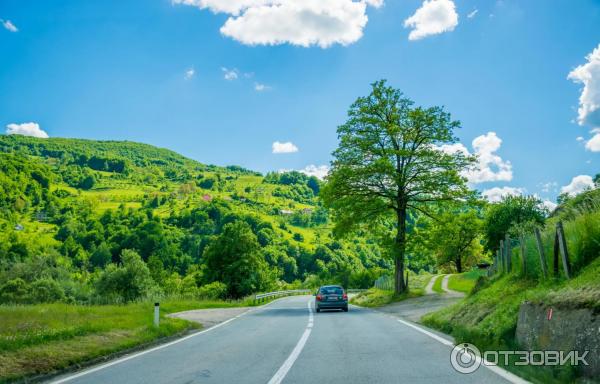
(494, 368)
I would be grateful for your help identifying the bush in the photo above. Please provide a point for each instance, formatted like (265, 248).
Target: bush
(129, 281)
(213, 291)
(46, 291)
(15, 291)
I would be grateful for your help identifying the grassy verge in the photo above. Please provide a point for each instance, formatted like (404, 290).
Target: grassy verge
(437, 284)
(374, 297)
(464, 282)
(488, 317)
(45, 338)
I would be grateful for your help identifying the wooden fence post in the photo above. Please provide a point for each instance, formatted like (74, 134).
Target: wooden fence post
(508, 252)
(523, 256)
(540, 245)
(563, 249)
(555, 256)
(502, 258)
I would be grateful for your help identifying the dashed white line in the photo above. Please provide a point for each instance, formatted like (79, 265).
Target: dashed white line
(289, 362)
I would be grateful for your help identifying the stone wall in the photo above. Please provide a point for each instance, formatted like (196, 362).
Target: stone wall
(565, 330)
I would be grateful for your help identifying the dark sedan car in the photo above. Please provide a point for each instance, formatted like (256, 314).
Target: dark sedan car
(331, 297)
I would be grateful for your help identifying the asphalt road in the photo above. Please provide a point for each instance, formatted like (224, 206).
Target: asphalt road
(287, 342)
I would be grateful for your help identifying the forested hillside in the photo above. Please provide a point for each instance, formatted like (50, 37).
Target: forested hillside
(106, 221)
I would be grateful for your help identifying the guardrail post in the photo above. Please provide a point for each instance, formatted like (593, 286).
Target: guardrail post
(156, 314)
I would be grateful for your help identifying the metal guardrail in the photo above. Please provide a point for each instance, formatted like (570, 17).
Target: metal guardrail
(263, 296)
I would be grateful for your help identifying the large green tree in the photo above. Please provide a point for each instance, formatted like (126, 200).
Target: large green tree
(455, 238)
(235, 258)
(389, 162)
(511, 215)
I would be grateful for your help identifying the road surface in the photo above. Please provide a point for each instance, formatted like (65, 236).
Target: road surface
(286, 342)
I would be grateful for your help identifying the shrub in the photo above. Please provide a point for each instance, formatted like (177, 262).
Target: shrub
(213, 291)
(46, 291)
(128, 281)
(15, 291)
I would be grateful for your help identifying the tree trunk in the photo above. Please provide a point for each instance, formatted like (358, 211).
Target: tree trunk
(458, 263)
(400, 285)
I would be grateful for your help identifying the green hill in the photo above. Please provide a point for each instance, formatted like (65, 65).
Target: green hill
(71, 209)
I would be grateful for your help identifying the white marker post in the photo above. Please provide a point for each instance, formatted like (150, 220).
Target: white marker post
(156, 313)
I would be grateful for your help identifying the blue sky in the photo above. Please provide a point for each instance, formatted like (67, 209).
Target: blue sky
(153, 71)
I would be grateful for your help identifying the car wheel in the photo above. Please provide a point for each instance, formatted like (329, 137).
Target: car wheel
(318, 309)
(345, 309)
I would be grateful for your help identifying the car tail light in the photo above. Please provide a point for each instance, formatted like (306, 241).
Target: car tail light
(319, 297)
(345, 296)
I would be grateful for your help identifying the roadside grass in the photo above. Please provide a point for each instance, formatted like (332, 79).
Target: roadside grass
(374, 297)
(437, 285)
(464, 282)
(45, 338)
(488, 317)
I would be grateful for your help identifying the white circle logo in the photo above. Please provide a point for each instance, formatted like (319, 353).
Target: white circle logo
(465, 358)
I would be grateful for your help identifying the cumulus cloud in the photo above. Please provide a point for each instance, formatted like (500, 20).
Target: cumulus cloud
(550, 186)
(578, 184)
(593, 144)
(287, 147)
(320, 171)
(230, 74)
(434, 17)
(496, 194)
(588, 113)
(489, 166)
(551, 206)
(189, 73)
(26, 129)
(588, 75)
(8, 25)
(472, 14)
(298, 22)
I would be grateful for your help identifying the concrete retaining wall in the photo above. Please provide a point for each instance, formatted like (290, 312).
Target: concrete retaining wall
(564, 330)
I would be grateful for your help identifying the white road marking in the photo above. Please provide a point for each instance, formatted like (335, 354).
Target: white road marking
(494, 368)
(126, 358)
(289, 362)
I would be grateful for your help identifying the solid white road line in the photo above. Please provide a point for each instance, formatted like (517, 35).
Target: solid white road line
(289, 362)
(129, 357)
(494, 368)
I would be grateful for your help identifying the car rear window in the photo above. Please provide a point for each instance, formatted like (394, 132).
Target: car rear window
(332, 290)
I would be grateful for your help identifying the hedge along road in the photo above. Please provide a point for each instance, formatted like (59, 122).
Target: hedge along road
(286, 342)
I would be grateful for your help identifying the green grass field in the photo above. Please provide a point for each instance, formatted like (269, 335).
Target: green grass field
(40, 339)
(374, 297)
(437, 285)
(464, 282)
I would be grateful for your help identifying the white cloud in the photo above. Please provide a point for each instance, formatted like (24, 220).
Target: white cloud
(496, 194)
(261, 87)
(593, 144)
(287, 147)
(434, 17)
(551, 206)
(230, 74)
(472, 14)
(189, 73)
(578, 184)
(550, 186)
(490, 166)
(320, 171)
(7, 24)
(588, 74)
(26, 129)
(297, 22)
(580, 138)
